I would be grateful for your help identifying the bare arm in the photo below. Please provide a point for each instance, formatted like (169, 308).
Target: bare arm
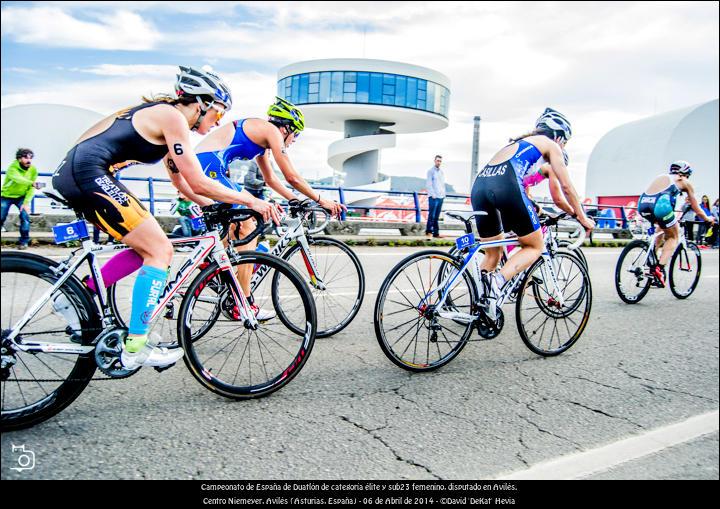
(557, 162)
(181, 184)
(557, 194)
(177, 136)
(279, 152)
(271, 179)
(688, 188)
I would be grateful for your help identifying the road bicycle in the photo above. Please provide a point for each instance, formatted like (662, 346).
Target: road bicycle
(634, 272)
(432, 301)
(47, 361)
(329, 267)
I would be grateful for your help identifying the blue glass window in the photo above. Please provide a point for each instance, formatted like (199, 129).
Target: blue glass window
(375, 88)
(422, 85)
(303, 95)
(314, 77)
(336, 87)
(312, 98)
(363, 87)
(324, 95)
(388, 79)
(431, 96)
(388, 99)
(400, 87)
(295, 94)
(422, 95)
(349, 87)
(421, 104)
(350, 77)
(314, 88)
(411, 100)
(349, 97)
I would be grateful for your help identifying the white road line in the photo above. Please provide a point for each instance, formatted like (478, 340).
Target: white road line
(583, 464)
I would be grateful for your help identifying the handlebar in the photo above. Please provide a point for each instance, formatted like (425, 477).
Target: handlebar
(549, 220)
(219, 216)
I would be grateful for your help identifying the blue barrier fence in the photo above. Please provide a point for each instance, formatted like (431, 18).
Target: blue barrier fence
(606, 217)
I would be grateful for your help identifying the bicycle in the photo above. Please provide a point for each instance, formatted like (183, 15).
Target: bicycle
(634, 270)
(268, 356)
(446, 305)
(337, 284)
(338, 288)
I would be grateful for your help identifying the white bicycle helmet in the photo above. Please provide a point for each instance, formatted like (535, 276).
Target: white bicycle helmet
(556, 122)
(195, 82)
(681, 168)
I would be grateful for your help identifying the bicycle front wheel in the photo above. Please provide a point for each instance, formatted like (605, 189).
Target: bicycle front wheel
(631, 279)
(685, 266)
(341, 272)
(36, 386)
(413, 331)
(553, 304)
(231, 359)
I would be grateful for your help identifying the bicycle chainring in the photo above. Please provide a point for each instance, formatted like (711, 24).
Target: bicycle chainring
(107, 354)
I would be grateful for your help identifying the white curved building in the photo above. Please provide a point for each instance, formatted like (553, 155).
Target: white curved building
(370, 101)
(625, 160)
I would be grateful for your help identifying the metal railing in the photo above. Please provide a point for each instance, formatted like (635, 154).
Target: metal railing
(151, 199)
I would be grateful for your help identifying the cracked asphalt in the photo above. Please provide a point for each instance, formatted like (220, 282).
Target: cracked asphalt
(352, 414)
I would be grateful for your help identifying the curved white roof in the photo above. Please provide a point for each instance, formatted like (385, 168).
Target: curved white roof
(625, 160)
(50, 130)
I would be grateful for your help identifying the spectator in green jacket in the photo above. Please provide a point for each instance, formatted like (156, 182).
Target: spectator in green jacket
(18, 189)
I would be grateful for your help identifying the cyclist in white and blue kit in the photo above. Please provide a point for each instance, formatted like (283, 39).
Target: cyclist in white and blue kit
(499, 191)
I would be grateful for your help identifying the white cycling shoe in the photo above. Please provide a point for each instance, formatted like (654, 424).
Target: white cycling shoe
(149, 355)
(263, 315)
(493, 296)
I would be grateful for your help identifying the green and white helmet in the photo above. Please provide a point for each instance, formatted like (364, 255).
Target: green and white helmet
(285, 113)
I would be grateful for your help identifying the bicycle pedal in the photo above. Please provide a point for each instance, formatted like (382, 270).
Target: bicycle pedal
(160, 369)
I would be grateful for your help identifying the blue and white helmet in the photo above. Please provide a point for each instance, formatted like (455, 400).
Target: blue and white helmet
(681, 168)
(196, 82)
(556, 122)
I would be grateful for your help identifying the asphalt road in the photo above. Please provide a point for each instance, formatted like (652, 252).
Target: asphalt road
(351, 414)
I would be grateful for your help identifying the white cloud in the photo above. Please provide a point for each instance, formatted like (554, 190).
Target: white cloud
(52, 26)
(602, 64)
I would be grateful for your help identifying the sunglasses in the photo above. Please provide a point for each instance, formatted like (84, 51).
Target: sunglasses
(219, 112)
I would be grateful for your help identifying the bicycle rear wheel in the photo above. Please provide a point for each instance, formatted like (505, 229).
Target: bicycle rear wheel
(548, 325)
(231, 359)
(685, 266)
(408, 325)
(631, 279)
(342, 274)
(35, 387)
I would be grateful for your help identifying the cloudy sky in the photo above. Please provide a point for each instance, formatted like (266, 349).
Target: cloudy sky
(601, 63)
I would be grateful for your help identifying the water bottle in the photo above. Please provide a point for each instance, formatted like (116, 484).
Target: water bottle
(263, 247)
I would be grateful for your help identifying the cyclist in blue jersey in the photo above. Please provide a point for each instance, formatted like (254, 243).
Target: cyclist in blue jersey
(657, 205)
(255, 138)
(499, 191)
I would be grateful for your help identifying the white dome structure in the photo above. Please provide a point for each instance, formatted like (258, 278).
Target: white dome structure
(626, 159)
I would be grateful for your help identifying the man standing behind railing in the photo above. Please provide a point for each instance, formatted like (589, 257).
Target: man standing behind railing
(18, 189)
(436, 194)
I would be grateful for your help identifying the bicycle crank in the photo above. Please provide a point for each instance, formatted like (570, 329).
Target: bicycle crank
(107, 353)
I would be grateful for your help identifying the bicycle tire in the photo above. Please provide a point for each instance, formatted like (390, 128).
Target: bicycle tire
(676, 262)
(644, 286)
(325, 326)
(585, 295)
(563, 244)
(84, 367)
(200, 367)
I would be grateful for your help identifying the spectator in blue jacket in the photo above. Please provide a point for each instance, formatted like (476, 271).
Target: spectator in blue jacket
(703, 227)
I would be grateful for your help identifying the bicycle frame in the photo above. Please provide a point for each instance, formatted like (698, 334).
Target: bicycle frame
(452, 278)
(209, 245)
(653, 235)
(295, 231)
